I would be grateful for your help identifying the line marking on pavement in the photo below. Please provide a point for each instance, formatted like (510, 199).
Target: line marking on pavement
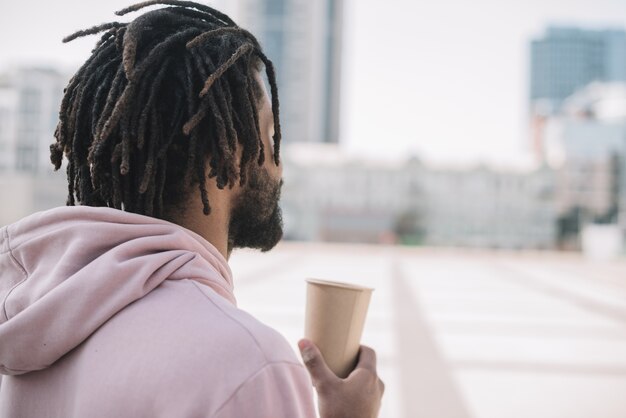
(428, 389)
(599, 275)
(544, 368)
(532, 281)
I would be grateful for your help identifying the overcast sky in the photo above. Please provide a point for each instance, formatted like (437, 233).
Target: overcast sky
(445, 79)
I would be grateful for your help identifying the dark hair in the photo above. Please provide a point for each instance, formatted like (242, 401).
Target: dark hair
(158, 97)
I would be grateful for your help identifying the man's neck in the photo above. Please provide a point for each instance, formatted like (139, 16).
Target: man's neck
(212, 227)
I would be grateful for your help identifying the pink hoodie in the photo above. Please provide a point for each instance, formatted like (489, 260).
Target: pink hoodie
(112, 314)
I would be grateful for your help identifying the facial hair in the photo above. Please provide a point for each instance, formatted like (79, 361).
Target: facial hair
(256, 219)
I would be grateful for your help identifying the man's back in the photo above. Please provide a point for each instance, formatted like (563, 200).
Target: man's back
(181, 350)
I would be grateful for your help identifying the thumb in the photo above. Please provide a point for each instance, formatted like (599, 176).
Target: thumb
(315, 363)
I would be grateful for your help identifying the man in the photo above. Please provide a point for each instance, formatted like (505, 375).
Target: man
(123, 306)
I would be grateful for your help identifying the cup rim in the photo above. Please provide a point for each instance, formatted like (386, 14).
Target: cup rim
(342, 285)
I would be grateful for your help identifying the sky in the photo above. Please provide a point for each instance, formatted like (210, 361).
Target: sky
(446, 80)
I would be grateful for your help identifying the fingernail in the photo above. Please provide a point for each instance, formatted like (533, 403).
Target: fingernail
(304, 344)
(305, 350)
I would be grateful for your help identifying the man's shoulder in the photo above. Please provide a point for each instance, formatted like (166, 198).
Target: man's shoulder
(206, 328)
(183, 344)
(245, 328)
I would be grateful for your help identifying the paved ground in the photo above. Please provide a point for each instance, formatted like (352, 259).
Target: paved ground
(464, 334)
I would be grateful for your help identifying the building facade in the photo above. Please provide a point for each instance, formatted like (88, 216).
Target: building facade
(304, 41)
(567, 59)
(330, 197)
(483, 207)
(29, 111)
(586, 146)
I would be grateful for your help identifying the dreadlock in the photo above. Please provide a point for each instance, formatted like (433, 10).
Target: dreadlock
(160, 98)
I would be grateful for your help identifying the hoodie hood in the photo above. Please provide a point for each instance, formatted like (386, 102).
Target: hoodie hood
(66, 271)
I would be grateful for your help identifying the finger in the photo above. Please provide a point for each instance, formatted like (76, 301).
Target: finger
(315, 364)
(367, 359)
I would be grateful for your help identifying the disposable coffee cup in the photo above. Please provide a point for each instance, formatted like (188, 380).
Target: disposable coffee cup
(335, 316)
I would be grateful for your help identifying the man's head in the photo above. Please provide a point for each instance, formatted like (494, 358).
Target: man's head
(168, 106)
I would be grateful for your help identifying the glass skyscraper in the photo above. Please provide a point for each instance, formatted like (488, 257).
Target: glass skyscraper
(303, 39)
(567, 59)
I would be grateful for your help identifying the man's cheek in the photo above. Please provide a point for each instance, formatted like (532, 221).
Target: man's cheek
(270, 136)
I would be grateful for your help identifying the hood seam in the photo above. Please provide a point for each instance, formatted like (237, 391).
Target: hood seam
(21, 268)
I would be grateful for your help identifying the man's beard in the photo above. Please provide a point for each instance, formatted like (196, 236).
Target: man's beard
(256, 219)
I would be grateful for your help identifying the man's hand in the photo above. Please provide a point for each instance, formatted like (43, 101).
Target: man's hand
(357, 396)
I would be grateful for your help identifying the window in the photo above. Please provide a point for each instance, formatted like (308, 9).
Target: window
(26, 158)
(30, 100)
(275, 7)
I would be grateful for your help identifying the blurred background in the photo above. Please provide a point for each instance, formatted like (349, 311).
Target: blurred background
(466, 159)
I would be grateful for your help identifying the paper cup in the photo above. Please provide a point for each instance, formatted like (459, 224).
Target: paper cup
(335, 316)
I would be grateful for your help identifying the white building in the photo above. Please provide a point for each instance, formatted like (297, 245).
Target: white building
(24, 193)
(328, 196)
(29, 110)
(481, 207)
(586, 145)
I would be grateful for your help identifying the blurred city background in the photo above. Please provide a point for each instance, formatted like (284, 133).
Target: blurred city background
(466, 159)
